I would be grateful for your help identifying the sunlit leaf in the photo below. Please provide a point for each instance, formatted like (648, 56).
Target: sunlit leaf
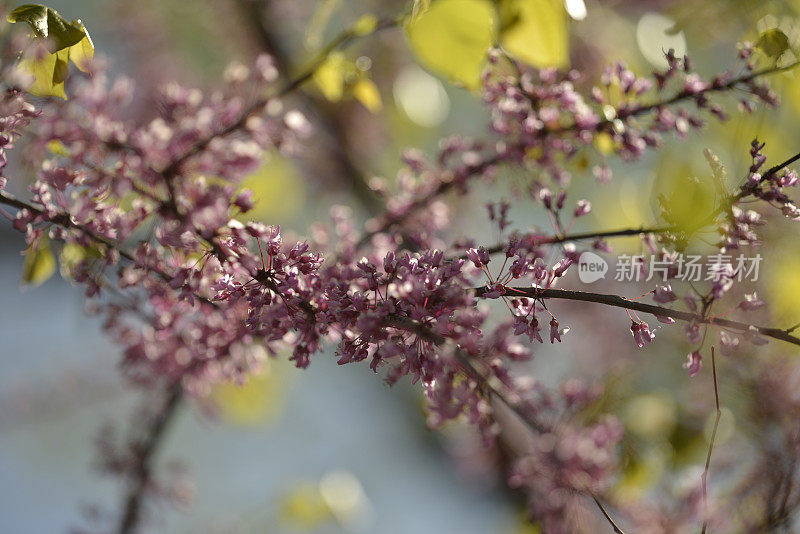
(40, 263)
(604, 143)
(366, 92)
(71, 255)
(65, 41)
(685, 201)
(57, 147)
(254, 402)
(535, 31)
(365, 25)
(418, 8)
(47, 74)
(82, 53)
(278, 189)
(452, 37)
(526, 527)
(651, 416)
(783, 285)
(330, 76)
(304, 507)
(773, 43)
(46, 23)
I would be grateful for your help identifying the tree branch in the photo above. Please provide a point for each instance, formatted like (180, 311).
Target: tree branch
(341, 41)
(393, 220)
(145, 451)
(536, 239)
(621, 302)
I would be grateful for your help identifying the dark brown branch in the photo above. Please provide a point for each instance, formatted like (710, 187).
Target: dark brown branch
(535, 239)
(144, 452)
(620, 302)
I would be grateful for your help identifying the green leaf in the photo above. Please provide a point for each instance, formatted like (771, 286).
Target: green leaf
(72, 255)
(535, 31)
(419, 7)
(773, 43)
(365, 25)
(82, 52)
(49, 74)
(65, 41)
(46, 23)
(366, 92)
(58, 148)
(330, 76)
(686, 201)
(452, 37)
(40, 263)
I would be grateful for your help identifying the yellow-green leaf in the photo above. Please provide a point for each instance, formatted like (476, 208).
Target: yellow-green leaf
(329, 76)
(82, 53)
(46, 23)
(419, 7)
(686, 201)
(254, 402)
(72, 254)
(452, 37)
(604, 143)
(773, 43)
(365, 25)
(366, 92)
(40, 263)
(48, 73)
(304, 508)
(65, 41)
(535, 31)
(278, 190)
(783, 284)
(57, 147)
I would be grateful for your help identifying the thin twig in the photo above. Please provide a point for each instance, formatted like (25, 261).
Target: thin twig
(614, 526)
(792, 328)
(704, 478)
(536, 239)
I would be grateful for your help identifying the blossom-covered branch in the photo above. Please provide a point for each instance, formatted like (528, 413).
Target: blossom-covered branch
(657, 311)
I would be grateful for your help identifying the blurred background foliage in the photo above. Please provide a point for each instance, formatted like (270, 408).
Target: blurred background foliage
(332, 450)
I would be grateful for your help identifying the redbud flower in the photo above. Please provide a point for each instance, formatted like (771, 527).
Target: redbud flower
(664, 294)
(788, 179)
(727, 342)
(555, 334)
(751, 302)
(583, 207)
(693, 363)
(641, 333)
